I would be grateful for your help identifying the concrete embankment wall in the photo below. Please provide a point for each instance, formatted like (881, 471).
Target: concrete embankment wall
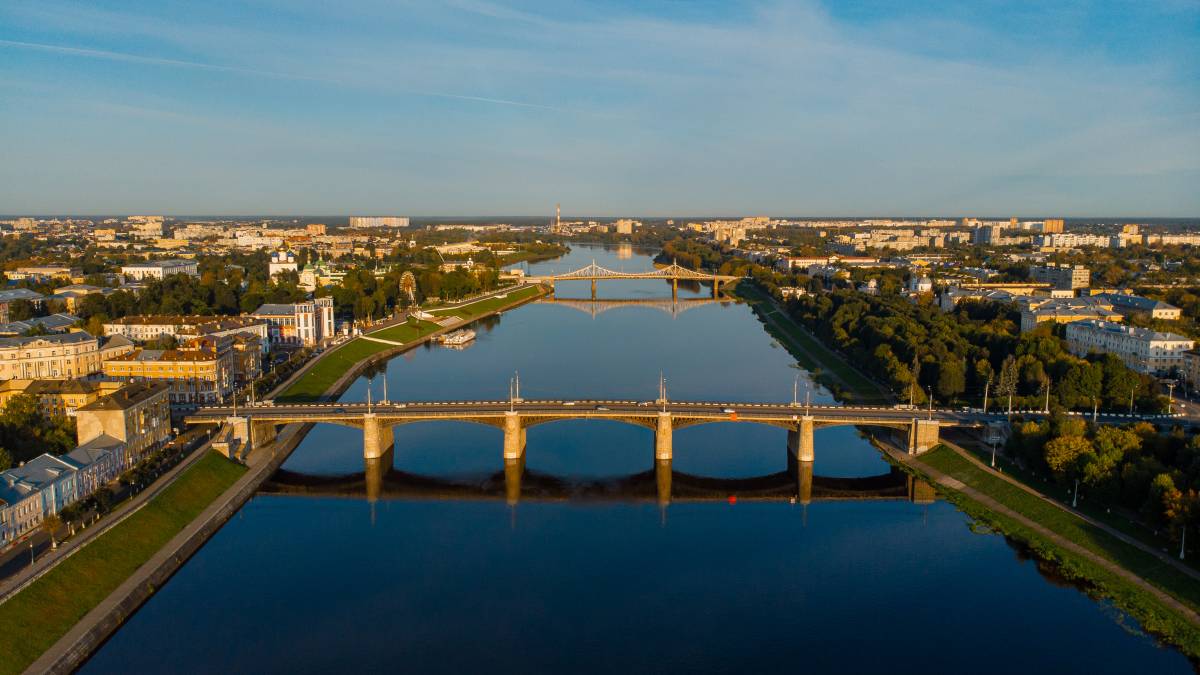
(106, 618)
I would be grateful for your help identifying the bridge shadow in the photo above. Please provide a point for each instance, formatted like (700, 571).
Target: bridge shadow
(660, 484)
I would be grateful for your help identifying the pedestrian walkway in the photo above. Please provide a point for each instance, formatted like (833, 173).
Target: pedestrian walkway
(1111, 531)
(1055, 538)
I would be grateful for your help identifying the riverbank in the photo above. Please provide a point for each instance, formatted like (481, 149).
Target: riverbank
(828, 368)
(1163, 599)
(45, 610)
(318, 380)
(89, 618)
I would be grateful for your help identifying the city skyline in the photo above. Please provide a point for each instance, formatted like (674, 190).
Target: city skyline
(477, 108)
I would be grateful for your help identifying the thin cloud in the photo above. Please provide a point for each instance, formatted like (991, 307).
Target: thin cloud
(178, 63)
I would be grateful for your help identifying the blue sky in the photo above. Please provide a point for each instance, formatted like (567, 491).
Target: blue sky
(471, 107)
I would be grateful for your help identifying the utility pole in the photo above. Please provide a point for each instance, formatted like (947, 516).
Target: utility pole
(385, 398)
(1095, 408)
(1075, 496)
(517, 386)
(795, 391)
(1131, 390)
(1183, 542)
(986, 386)
(931, 403)
(1170, 395)
(1047, 408)
(368, 398)
(807, 401)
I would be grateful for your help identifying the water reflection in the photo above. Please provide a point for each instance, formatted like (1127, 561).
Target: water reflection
(661, 483)
(589, 580)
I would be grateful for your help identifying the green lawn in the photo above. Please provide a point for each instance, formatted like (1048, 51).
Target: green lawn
(1147, 608)
(316, 381)
(34, 619)
(810, 353)
(492, 304)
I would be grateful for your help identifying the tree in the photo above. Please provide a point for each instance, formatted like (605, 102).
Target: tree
(1063, 455)
(5, 460)
(1006, 387)
(51, 525)
(952, 378)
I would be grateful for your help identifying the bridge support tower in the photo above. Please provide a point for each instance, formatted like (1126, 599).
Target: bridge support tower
(514, 436)
(251, 433)
(377, 437)
(800, 440)
(922, 436)
(662, 438)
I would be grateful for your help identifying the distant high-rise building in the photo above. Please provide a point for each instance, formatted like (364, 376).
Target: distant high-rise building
(315, 229)
(378, 221)
(1052, 225)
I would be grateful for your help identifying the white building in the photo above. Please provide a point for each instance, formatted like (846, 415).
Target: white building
(378, 221)
(160, 269)
(282, 261)
(1144, 350)
(303, 323)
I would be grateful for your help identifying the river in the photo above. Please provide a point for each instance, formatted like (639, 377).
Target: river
(410, 583)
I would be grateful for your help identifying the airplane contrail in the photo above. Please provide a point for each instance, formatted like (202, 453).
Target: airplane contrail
(160, 61)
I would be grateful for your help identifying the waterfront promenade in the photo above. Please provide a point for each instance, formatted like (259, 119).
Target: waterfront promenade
(78, 641)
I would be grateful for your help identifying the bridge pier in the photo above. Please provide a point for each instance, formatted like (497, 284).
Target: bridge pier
(375, 469)
(800, 440)
(662, 438)
(377, 437)
(514, 469)
(252, 434)
(716, 287)
(922, 436)
(514, 436)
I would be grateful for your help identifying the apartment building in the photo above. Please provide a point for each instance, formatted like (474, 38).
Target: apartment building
(300, 324)
(1037, 310)
(138, 415)
(201, 373)
(144, 328)
(1065, 277)
(7, 298)
(160, 269)
(57, 398)
(62, 356)
(1143, 350)
(1136, 305)
(378, 221)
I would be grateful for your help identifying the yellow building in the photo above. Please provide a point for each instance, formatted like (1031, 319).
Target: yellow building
(63, 356)
(138, 415)
(57, 397)
(200, 373)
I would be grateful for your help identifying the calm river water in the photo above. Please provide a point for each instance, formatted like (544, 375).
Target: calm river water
(406, 583)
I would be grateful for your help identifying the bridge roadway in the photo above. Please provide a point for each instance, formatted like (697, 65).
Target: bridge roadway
(247, 428)
(255, 426)
(673, 273)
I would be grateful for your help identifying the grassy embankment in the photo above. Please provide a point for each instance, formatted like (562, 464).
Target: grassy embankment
(829, 368)
(1153, 614)
(34, 619)
(314, 383)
